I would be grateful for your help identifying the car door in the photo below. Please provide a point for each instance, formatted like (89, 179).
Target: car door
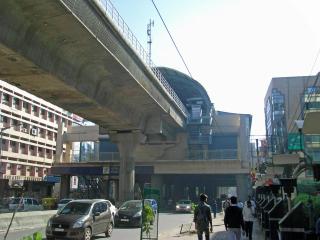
(28, 204)
(105, 216)
(35, 205)
(96, 224)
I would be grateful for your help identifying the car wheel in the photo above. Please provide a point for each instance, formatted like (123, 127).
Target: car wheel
(87, 234)
(109, 230)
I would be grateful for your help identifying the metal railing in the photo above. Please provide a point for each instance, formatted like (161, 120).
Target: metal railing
(223, 154)
(91, 156)
(96, 26)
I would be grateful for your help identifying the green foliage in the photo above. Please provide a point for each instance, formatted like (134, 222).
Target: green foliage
(35, 236)
(27, 238)
(193, 206)
(304, 198)
(148, 218)
(49, 203)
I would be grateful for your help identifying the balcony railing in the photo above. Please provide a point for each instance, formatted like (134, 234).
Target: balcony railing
(223, 154)
(96, 26)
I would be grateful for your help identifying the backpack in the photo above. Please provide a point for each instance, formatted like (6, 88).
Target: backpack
(201, 220)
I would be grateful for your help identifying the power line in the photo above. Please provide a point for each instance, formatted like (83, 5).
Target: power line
(175, 45)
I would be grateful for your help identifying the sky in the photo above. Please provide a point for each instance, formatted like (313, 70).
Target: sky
(232, 47)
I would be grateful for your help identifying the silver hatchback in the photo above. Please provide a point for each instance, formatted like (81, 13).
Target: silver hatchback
(24, 204)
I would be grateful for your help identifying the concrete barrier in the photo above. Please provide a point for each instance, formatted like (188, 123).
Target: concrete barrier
(24, 220)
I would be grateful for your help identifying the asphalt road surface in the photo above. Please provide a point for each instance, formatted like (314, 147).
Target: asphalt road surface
(168, 223)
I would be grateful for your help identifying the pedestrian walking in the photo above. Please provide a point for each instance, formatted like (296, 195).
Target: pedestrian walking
(248, 218)
(202, 217)
(233, 218)
(214, 208)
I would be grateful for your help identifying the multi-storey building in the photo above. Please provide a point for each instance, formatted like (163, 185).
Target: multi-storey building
(28, 136)
(289, 99)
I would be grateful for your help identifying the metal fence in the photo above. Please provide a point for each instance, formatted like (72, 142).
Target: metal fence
(91, 156)
(85, 14)
(224, 154)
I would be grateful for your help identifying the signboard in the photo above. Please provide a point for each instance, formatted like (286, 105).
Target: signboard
(294, 142)
(74, 181)
(52, 179)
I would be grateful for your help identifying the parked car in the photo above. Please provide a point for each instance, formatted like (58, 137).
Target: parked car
(184, 206)
(24, 204)
(81, 219)
(130, 212)
(63, 202)
(112, 207)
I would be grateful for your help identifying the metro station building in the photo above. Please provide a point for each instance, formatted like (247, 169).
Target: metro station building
(210, 154)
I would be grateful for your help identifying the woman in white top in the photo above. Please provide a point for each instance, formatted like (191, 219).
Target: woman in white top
(248, 218)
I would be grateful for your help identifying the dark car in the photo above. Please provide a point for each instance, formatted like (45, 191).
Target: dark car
(130, 212)
(81, 219)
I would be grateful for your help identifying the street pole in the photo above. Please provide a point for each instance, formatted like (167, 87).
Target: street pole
(258, 158)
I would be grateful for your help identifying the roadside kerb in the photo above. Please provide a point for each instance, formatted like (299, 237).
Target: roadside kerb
(23, 220)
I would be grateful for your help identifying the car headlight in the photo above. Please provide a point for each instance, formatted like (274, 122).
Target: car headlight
(138, 214)
(177, 206)
(49, 224)
(188, 206)
(78, 224)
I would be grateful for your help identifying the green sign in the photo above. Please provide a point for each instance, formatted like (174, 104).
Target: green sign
(294, 142)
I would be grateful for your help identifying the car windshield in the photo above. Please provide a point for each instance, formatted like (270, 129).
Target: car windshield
(131, 205)
(64, 201)
(184, 202)
(76, 208)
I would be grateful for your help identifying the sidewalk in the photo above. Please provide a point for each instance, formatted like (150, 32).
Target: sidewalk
(219, 232)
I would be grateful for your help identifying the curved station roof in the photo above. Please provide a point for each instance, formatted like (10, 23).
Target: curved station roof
(184, 86)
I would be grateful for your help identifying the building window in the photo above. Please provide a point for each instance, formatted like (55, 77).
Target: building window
(5, 98)
(34, 110)
(26, 106)
(43, 113)
(16, 103)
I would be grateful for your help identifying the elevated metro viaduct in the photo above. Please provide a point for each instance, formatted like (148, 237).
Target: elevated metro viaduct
(74, 55)
(211, 153)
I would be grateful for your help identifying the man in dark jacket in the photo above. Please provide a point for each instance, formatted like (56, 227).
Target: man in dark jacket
(233, 219)
(202, 217)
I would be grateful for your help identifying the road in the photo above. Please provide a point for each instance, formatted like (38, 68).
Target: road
(168, 223)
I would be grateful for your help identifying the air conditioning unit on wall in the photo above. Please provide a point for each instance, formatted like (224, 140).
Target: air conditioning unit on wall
(34, 131)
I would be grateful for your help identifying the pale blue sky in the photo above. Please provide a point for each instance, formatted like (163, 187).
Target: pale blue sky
(232, 47)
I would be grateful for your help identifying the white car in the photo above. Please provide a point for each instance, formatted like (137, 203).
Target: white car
(113, 209)
(24, 204)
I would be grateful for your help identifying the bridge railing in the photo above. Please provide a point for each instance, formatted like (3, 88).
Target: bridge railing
(113, 15)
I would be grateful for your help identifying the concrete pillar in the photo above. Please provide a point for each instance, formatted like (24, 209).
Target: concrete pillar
(59, 144)
(64, 186)
(127, 143)
(242, 181)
